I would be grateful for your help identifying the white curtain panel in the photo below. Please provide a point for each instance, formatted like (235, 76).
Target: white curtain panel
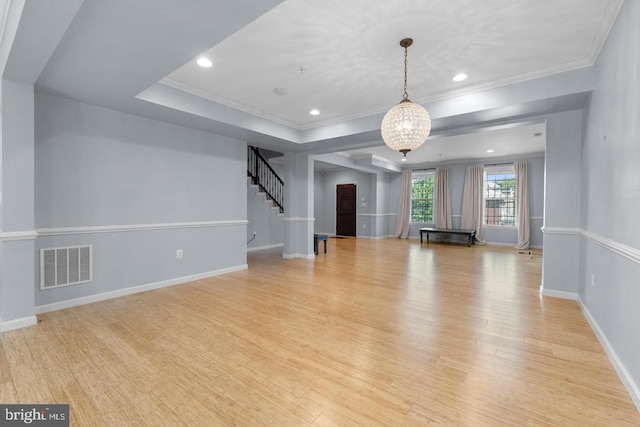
(404, 209)
(522, 204)
(442, 202)
(472, 201)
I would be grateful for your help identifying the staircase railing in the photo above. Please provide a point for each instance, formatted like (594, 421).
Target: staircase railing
(263, 175)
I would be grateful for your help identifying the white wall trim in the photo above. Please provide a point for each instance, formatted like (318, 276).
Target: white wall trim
(375, 237)
(3, 21)
(628, 252)
(137, 227)
(621, 249)
(607, 20)
(18, 235)
(261, 248)
(8, 28)
(512, 245)
(176, 84)
(298, 219)
(303, 256)
(17, 323)
(500, 227)
(561, 230)
(45, 308)
(627, 379)
(539, 218)
(501, 244)
(558, 294)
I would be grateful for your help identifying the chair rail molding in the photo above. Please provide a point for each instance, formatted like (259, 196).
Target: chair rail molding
(626, 251)
(137, 227)
(18, 235)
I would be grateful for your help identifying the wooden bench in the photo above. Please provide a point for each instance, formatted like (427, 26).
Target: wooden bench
(317, 238)
(471, 234)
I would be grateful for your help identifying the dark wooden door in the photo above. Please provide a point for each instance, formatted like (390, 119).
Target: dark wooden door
(346, 210)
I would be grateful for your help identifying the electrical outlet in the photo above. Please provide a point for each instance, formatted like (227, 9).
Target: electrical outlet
(179, 254)
(364, 226)
(593, 280)
(254, 234)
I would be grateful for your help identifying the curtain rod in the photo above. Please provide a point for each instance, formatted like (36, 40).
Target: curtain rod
(499, 164)
(486, 164)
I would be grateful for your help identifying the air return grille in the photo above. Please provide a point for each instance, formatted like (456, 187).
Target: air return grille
(65, 266)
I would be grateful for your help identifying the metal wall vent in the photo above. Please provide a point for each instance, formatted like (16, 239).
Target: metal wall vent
(65, 266)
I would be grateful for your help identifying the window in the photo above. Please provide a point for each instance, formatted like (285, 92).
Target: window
(422, 184)
(500, 196)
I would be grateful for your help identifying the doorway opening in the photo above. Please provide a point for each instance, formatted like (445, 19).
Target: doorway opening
(346, 210)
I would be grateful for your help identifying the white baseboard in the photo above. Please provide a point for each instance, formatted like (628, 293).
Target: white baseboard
(558, 294)
(625, 377)
(374, 237)
(513, 245)
(45, 308)
(23, 322)
(389, 236)
(303, 256)
(261, 248)
(499, 244)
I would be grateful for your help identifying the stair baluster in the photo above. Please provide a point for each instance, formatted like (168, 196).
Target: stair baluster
(263, 175)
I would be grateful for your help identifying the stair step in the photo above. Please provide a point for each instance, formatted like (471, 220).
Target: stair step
(263, 170)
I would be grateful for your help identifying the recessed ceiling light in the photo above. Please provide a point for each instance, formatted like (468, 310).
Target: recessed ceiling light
(404, 159)
(490, 151)
(459, 77)
(204, 62)
(314, 112)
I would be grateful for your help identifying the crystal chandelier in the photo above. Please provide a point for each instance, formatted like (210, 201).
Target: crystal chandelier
(406, 126)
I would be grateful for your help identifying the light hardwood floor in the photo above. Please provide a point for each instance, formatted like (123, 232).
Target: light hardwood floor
(382, 332)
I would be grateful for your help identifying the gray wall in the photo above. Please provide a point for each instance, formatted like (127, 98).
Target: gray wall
(264, 220)
(363, 189)
(456, 187)
(318, 203)
(562, 204)
(370, 223)
(610, 198)
(16, 210)
(99, 172)
(384, 222)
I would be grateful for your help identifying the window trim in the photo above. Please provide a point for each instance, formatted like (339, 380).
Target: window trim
(417, 175)
(504, 168)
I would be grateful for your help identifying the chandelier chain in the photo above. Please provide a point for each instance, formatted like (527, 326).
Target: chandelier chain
(407, 124)
(405, 95)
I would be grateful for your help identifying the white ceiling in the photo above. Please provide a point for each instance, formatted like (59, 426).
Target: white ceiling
(507, 142)
(139, 58)
(344, 58)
